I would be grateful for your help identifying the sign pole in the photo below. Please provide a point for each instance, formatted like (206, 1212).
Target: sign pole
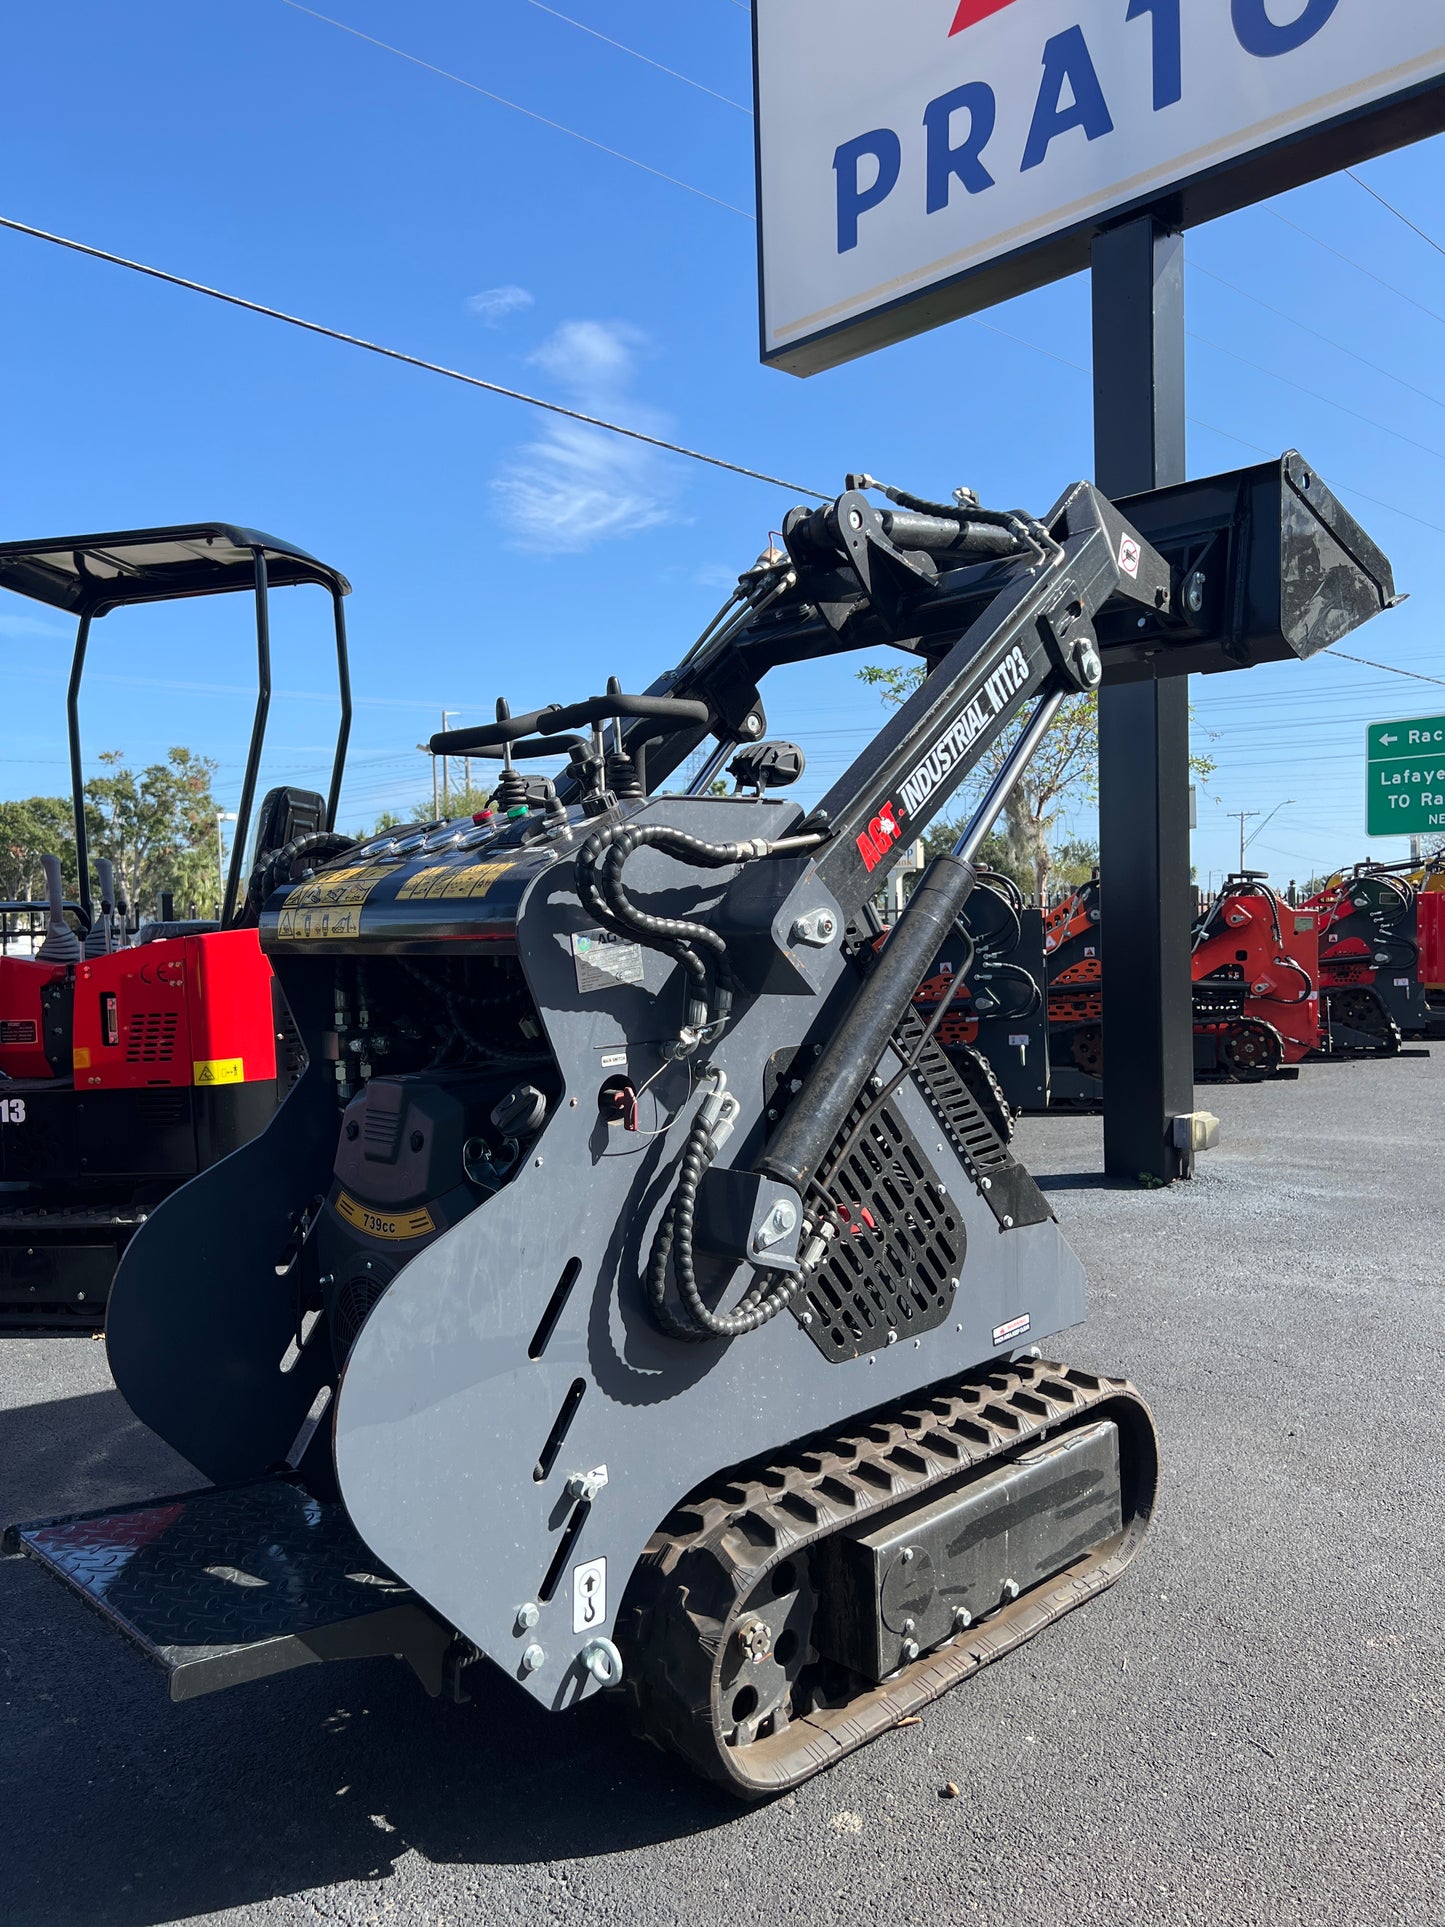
(1139, 443)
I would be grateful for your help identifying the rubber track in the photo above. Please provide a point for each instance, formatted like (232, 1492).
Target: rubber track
(695, 1579)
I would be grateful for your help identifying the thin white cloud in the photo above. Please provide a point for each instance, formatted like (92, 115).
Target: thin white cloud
(576, 486)
(493, 305)
(596, 358)
(31, 626)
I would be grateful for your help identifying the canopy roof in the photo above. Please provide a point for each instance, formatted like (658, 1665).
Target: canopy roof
(90, 574)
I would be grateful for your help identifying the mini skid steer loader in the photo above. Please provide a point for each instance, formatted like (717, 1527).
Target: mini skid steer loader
(630, 1291)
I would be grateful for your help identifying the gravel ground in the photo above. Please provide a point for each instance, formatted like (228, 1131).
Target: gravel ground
(1247, 1729)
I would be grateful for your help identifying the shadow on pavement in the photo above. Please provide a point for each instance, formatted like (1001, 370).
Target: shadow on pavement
(123, 1810)
(1081, 1181)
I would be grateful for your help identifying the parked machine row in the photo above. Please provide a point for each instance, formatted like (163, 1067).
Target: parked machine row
(1353, 970)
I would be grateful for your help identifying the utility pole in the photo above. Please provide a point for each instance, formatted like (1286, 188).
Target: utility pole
(1242, 815)
(425, 749)
(222, 816)
(447, 715)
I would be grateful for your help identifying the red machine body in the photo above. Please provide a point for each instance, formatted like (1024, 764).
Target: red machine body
(147, 1066)
(31, 994)
(1278, 949)
(1256, 1001)
(194, 1010)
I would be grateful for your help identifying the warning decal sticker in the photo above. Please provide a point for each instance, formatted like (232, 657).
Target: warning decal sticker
(306, 926)
(349, 886)
(1015, 1328)
(589, 1595)
(218, 1070)
(447, 880)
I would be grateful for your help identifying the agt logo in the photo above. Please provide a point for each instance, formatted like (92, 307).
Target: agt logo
(972, 11)
(879, 837)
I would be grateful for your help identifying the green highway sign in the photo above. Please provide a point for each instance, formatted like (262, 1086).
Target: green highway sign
(1405, 777)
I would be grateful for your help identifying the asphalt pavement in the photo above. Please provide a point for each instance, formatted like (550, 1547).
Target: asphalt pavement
(1249, 1728)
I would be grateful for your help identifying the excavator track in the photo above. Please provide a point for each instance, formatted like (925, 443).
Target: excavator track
(716, 1629)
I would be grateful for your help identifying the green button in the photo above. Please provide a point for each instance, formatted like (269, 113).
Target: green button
(517, 809)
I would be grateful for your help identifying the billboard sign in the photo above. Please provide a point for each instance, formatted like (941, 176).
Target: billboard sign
(924, 159)
(1405, 777)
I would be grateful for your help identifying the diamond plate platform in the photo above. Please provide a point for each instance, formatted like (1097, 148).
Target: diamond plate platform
(232, 1583)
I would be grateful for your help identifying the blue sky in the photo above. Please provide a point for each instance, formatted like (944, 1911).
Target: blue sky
(493, 549)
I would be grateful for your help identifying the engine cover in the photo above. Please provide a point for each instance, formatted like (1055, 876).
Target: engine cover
(400, 1180)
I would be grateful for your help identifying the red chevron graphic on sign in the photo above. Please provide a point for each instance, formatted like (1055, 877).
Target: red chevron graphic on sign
(970, 12)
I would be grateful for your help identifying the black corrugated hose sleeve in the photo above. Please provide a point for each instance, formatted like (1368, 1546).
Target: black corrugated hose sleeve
(769, 1293)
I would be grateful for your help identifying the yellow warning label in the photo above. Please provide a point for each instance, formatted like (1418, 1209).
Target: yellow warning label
(309, 926)
(218, 1070)
(377, 1224)
(80, 1057)
(449, 880)
(352, 885)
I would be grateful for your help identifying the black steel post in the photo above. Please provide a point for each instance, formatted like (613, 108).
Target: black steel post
(77, 774)
(231, 904)
(1139, 429)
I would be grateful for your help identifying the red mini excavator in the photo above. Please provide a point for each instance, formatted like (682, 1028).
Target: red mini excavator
(127, 1066)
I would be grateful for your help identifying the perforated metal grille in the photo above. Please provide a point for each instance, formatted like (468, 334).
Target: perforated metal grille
(150, 1037)
(349, 1311)
(893, 1268)
(951, 1101)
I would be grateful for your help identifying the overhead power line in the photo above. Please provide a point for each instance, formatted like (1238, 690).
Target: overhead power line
(1349, 261)
(1376, 195)
(397, 354)
(646, 59)
(1198, 421)
(1284, 315)
(1415, 675)
(502, 101)
(1314, 394)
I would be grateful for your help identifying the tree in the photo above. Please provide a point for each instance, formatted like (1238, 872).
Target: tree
(1062, 775)
(158, 827)
(32, 827)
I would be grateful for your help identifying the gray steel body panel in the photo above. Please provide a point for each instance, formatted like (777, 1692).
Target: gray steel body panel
(442, 1414)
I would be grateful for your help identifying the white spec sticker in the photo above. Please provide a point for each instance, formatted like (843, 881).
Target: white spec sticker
(12, 1110)
(1015, 1328)
(1019, 1039)
(614, 1060)
(589, 1595)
